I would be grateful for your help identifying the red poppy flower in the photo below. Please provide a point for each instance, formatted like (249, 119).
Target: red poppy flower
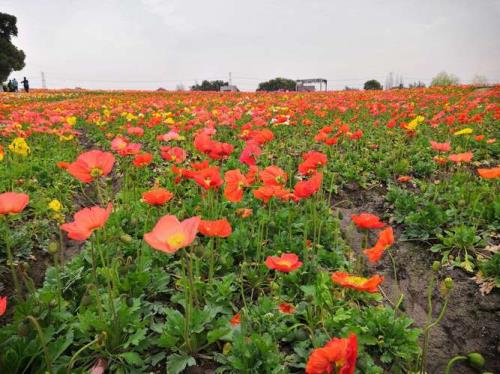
(338, 356)
(385, 240)
(169, 235)
(489, 173)
(304, 189)
(175, 154)
(157, 196)
(236, 320)
(235, 183)
(357, 283)
(13, 202)
(250, 153)
(312, 160)
(91, 165)
(367, 221)
(286, 263)
(286, 308)
(441, 147)
(461, 157)
(208, 178)
(86, 221)
(123, 147)
(220, 228)
(3, 305)
(142, 159)
(273, 176)
(136, 131)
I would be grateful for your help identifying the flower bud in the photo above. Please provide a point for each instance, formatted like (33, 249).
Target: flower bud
(126, 238)
(436, 265)
(53, 247)
(448, 282)
(476, 359)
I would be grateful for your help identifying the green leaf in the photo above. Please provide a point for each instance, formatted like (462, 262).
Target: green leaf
(177, 363)
(132, 358)
(217, 334)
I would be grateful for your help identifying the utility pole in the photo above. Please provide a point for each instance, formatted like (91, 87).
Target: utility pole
(229, 82)
(44, 84)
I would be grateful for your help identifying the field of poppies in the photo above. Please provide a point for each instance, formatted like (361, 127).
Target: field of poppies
(174, 232)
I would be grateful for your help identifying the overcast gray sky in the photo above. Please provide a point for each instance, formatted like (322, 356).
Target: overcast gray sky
(145, 44)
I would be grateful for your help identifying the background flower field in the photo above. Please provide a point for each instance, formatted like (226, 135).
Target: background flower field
(249, 232)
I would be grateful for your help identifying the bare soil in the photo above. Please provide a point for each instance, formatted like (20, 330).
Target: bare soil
(472, 321)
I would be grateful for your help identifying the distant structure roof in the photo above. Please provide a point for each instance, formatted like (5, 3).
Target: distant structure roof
(229, 88)
(305, 84)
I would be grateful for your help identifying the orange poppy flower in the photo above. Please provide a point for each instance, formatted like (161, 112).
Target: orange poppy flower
(404, 178)
(143, 159)
(236, 320)
(304, 189)
(86, 221)
(367, 221)
(265, 193)
(385, 240)
(286, 263)
(441, 147)
(461, 157)
(286, 308)
(208, 178)
(91, 165)
(273, 176)
(157, 196)
(357, 283)
(235, 183)
(220, 228)
(13, 202)
(62, 164)
(244, 212)
(252, 174)
(337, 356)
(489, 173)
(169, 235)
(3, 305)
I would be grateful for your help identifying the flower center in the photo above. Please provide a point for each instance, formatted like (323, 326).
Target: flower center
(358, 281)
(96, 172)
(176, 240)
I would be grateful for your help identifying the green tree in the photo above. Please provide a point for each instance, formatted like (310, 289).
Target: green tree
(11, 58)
(209, 86)
(445, 79)
(277, 84)
(372, 84)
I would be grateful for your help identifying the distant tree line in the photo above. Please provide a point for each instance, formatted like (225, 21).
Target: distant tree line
(209, 85)
(278, 84)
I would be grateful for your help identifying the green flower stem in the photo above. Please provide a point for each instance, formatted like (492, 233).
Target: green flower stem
(10, 259)
(48, 360)
(188, 301)
(452, 362)
(77, 353)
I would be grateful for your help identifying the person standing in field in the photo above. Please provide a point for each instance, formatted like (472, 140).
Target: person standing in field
(26, 84)
(14, 85)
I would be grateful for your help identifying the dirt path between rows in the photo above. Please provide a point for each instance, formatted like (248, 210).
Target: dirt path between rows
(472, 322)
